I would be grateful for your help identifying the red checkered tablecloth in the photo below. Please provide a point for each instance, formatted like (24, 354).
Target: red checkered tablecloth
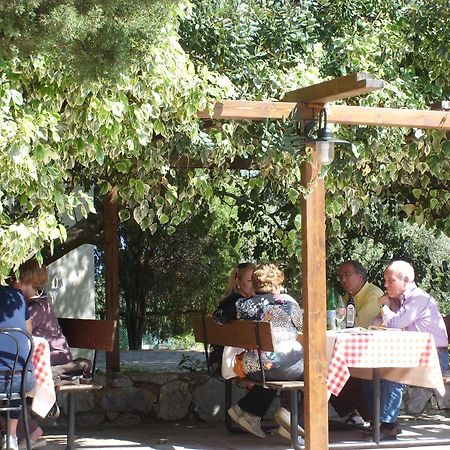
(44, 395)
(405, 356)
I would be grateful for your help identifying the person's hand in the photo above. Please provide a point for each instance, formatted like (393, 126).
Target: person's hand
(385, 300)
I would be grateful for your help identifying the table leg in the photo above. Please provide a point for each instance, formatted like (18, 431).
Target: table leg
(376, 405)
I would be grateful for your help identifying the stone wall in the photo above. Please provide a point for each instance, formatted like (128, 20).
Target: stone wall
(132, 398)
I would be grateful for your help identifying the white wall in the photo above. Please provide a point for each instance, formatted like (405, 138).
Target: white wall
(71, 286)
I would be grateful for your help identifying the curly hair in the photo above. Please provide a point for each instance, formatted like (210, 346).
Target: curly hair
(267, 278)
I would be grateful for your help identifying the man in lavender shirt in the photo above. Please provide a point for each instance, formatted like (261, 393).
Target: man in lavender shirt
(410, 308)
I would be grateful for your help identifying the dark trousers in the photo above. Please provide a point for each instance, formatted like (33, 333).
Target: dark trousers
(350, 398)
(257, 400)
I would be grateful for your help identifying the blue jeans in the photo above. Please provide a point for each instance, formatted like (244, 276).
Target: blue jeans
(443, 359)
(391, 394)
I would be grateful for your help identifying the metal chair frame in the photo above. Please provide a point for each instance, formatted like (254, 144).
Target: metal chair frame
(17, 369)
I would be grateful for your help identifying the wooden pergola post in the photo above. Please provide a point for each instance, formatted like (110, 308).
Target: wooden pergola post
(314, 304)
(112, 273)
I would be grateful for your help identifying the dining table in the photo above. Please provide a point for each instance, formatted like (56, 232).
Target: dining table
(384, 353)
(44, 395)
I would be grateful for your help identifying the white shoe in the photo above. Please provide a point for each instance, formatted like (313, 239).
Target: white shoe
(283, 418)
(34, 444)
(285, 433)
(354, 419)
(13, 444)
(247, 421)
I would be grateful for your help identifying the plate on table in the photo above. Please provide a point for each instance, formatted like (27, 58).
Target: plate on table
(351, 330)
(383, 328)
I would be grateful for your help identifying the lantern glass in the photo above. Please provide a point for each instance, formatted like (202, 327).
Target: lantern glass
(325, 152)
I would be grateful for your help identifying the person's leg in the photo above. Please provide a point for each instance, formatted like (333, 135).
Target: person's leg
(36, 431)
(10, 441)
(390, 399)
(443, 359)
(350, 398)
(257, 400)
(251, 408)
(391, 394)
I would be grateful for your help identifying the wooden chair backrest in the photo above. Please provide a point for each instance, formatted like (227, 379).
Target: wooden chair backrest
(236, 333)
(89, 333)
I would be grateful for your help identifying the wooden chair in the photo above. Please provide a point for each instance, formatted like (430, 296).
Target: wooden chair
(251, 335)
(84, 334)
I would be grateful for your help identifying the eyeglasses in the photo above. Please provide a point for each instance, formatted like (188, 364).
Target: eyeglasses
(344, 275)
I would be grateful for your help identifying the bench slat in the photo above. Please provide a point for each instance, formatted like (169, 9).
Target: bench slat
(236, 333)
(78, 387)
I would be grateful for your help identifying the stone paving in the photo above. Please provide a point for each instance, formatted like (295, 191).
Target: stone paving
(207, 436)
(160, 435)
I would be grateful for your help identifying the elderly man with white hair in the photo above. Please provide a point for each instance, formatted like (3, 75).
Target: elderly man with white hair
(410, 308)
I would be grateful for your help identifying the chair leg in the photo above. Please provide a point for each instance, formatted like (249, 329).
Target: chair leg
(8, 418)
(26, 422)
(294, 421)
(71, 422)
(228, 392)
(228, 403)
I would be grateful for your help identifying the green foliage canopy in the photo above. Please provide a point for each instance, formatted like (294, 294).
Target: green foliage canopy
(59, 134)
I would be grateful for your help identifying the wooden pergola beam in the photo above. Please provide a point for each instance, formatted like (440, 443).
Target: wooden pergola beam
(248, 110)
(388, 117)
(337, 89)
(342, 114)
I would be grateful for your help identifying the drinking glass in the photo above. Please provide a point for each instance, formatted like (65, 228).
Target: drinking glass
(340, 312)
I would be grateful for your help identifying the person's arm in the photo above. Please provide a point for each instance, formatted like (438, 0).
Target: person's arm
(410, 311)
(226, 310)
(296, 313)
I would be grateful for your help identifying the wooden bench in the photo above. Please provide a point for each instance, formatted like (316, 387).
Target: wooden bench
(251, 335)
(84, 334)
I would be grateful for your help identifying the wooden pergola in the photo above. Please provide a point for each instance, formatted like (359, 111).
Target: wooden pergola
(305, 104)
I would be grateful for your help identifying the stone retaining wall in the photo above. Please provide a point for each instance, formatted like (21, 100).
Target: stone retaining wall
(132, 398)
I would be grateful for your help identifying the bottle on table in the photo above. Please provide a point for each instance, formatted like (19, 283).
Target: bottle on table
(331, 308)
(351, 312)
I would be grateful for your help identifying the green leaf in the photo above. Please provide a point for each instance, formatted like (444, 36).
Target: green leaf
(163, 219)
(293, 196)
(99, 155)
(417, 193)
(446, 149)
(209, 192)
(16, 97)
(124, 215)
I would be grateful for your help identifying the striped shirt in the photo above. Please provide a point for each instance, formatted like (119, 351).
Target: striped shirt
(418, 312)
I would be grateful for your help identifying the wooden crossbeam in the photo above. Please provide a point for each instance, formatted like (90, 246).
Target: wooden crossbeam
(336, 89)
(388, 117)
(343, 114)
(248, 110)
